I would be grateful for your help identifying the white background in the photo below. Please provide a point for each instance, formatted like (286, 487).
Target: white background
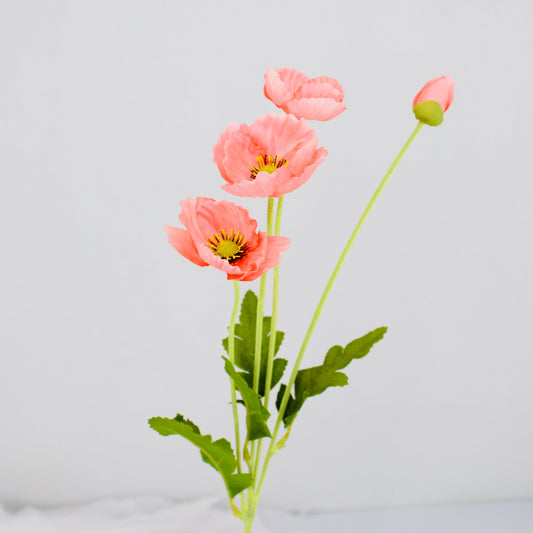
(108, 114)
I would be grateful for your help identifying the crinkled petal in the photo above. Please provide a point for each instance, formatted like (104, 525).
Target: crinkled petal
(219, 150)
(189, 216)
(275, 89)
(330, 81)
(241, 154)
(181, 241)
(279, 134)
(320, 88)
(204, 216)
(263, 185)
(219, 263)
(267, 255)
(276, 245)
(300, 158)
(315, 108)
(292, 78)
(227, 216)
(296, 181)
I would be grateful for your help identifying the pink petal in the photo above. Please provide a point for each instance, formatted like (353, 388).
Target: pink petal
(189, 217)
(219, 263)
(319, 89)
(276, 245)
(266, 256)
(300, 158)
(227, 216)
(292, 78)
(315, 108)
(437, 90)
(275, 89)
(241, 154)
(250, 265)
(263, 185)
(332, 82)
(219, 150)
(181, 241)
(296, 181)
(278, 134)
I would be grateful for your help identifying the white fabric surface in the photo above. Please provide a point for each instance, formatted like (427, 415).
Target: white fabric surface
(160, 515)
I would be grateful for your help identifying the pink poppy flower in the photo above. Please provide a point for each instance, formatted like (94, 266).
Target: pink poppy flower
(272, 157)
(223, 235)
(438, 90)
(310, 98)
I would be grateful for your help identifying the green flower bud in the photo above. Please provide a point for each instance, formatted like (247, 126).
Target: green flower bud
(429, 112)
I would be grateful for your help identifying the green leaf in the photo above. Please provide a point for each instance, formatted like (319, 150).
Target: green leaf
(218, 454)
(245, 332)
(315, 380)
(256, 414)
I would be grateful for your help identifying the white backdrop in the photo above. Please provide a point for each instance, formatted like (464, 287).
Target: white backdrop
(108, 114)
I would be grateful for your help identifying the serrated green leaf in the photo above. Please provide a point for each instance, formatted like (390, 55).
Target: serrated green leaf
(278, 368)
(218, 454)
(277, 373)
(245, 344)
(256, 414)
(315, 380)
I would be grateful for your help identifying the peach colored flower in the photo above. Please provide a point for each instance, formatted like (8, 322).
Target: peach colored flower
(272, 157)
(438, 90)
(310, 98)
(222, 234)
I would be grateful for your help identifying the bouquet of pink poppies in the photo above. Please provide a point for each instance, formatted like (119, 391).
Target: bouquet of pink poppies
(272, 157)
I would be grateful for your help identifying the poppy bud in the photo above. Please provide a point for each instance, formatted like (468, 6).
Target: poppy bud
(433, 100)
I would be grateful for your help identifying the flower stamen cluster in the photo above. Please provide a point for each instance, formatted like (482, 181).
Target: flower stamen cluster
(267, 163)
(232, 246)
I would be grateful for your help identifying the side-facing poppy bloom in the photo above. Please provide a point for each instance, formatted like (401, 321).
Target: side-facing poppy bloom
(310, 98)
(272, 157)
(222, 234)
(436, 91)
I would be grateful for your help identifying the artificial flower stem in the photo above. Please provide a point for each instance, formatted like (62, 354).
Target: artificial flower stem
(255, 452)
(271, 345)
(273, 323)
(318, 310)
(259, 335)
(260, 305)
(249, 513)
(231, 350)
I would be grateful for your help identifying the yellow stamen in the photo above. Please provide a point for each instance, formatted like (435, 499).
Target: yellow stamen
(267, 163)
(232, 246)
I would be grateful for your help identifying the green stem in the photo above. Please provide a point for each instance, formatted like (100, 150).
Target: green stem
(255, 451)
(273, 323)
(260, 305)
(249, 514)
(256, 448)
(231, 350)
(318, 310)
(231, 353)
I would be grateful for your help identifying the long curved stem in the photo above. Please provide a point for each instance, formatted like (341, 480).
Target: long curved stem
(318, 310)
